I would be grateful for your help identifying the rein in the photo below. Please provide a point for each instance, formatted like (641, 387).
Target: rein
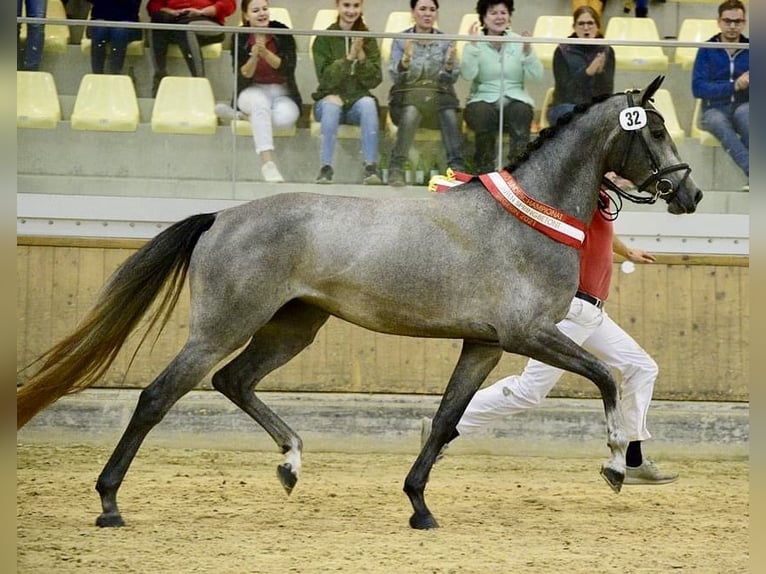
(662, 185)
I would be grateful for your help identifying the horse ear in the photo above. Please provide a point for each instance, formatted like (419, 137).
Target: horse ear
(651, 88)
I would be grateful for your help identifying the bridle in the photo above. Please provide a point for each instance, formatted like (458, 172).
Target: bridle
(662, 187)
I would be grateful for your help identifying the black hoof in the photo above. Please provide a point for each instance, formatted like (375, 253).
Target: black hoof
(613, 478)
(426, 522)
(287, 477)
(110, 520)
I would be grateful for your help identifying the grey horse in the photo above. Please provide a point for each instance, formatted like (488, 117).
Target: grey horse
(266, 275)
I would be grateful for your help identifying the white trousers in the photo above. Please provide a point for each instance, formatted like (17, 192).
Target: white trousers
(269, 107)
(597, 333)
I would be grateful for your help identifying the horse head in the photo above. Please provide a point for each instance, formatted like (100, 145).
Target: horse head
(645, 153)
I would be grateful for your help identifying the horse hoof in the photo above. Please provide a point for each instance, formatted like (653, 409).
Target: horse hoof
(287, 477)
(426, 522)
(110, 520)
(613, 478)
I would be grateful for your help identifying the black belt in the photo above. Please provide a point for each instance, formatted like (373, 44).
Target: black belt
(590, 299)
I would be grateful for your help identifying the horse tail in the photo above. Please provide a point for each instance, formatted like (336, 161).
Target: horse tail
(80, 359)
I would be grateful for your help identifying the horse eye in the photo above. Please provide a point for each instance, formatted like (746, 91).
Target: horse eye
(658, 134)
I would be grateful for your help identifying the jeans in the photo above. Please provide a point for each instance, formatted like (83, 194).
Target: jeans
(118, 40)
(484, 118)
(364, 113)
(188, 41)
(269, 107)
(555, 112)
(591, 328)
(32, 55)
(450, 132)
(731, 126)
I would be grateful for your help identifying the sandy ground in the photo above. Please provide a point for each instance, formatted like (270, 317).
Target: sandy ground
(189, 510)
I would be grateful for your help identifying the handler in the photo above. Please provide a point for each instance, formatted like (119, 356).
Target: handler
(588, 325)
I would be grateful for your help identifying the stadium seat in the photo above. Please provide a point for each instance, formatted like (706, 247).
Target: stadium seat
(704, 137)
(37, 100)
(106, 102)
(209, 51)
(184, 105)
(56, 35)
(550, 27)
(464, 29)
(693, 30)
(281, 15)
(324, 17)
(396, 22)
(135, 48)
(636, 57)
(544, 123)
(664, 104)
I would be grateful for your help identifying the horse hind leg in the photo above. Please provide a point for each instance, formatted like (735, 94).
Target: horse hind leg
(178, 378)
(291, 330)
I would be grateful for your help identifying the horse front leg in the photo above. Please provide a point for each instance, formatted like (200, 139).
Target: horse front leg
(476, 362)
(178, 378)
(552, 347)
(290, 331)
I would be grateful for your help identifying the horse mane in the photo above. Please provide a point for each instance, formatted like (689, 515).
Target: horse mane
(551, 131)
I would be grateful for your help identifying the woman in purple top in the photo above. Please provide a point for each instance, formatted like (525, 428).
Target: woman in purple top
(109, 45)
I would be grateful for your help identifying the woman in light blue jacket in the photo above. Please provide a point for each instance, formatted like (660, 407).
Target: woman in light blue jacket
(498, 69)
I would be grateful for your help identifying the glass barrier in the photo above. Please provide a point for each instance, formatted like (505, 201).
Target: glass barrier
(169, 142)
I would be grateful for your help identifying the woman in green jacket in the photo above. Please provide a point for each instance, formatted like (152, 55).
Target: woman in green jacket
(347, 68)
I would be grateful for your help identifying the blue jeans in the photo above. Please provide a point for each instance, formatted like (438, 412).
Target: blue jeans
(32, 55)
(555, 112)
(118, 39)
(731, 126)
(450, 132)
(363, 113)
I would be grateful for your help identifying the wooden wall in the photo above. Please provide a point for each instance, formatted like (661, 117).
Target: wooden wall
(690, 313)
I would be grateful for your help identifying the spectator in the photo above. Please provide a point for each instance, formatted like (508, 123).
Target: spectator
(208, 12)
(266, 87)
(116, 38)
(347, 68)
(641, 6)
(721, 78)
(30, 56)
(423, 93)
(581, 72)
(497, 72)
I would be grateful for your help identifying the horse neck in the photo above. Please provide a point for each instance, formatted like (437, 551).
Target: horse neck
(566, 171)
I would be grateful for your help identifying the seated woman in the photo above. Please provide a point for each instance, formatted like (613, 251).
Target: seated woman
(207, 12)
(497, 72)
(347, 68)
(266, 87)
(117, 39)
(581, 72)
(423, 92)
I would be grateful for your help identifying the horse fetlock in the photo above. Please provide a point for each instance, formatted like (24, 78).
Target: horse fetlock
(110, 520)
(423, 521)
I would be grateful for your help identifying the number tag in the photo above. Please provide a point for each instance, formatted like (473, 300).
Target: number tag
(632, 119)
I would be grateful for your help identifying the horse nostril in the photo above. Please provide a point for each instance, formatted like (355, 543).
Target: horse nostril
(698, 196)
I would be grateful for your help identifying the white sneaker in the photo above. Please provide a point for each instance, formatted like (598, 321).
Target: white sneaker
(226, 112)
(271, 173)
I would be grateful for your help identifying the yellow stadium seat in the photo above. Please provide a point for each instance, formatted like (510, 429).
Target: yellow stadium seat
(693, 30)
(184, 105)
(664, 104)
(345, 131)
(705, 138)
(324, 17)
(135, 48)
(464, 29)
(37, 100)
(245, 128)
(281, 15)
(209, 51)
(396, 22)
(56, 35)
(544, 123)
(550, 27)
(636, 57)
(106, 103)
